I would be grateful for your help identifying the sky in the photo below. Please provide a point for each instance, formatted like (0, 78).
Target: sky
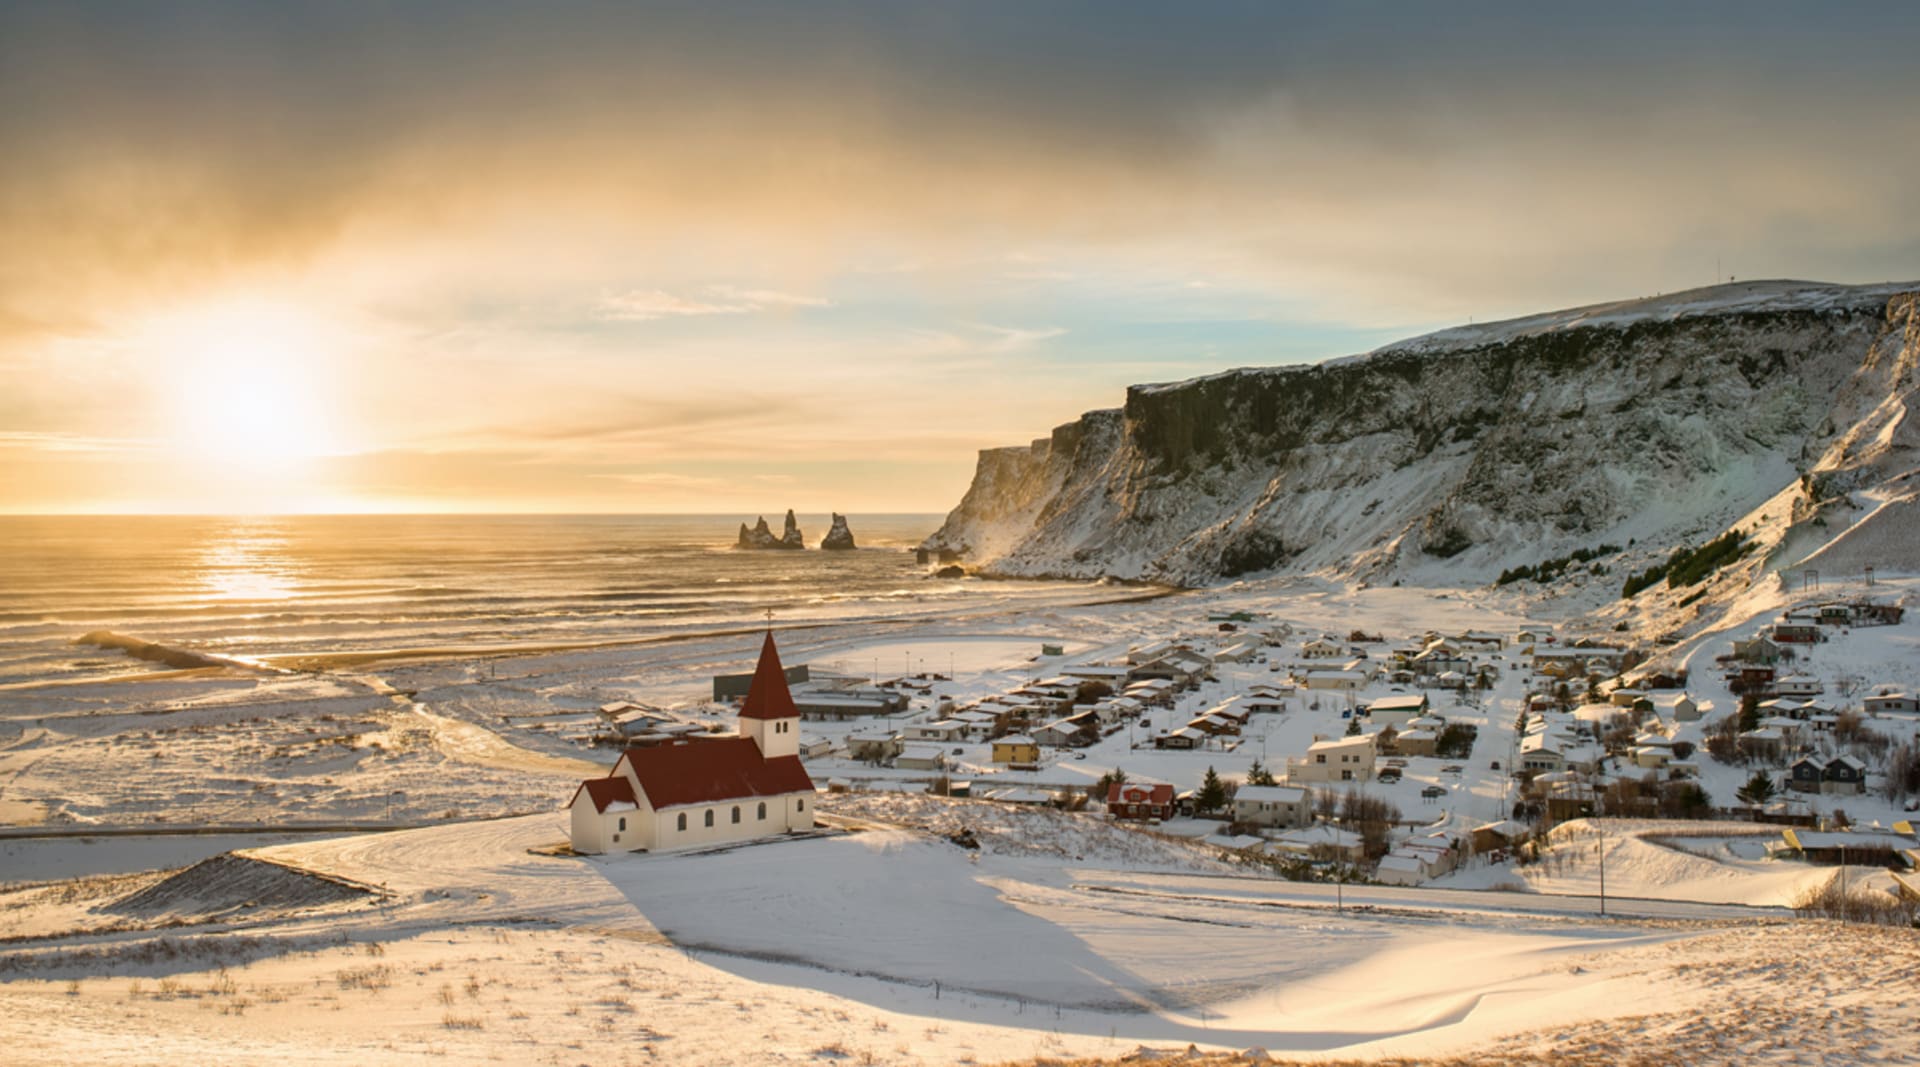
(739, 257)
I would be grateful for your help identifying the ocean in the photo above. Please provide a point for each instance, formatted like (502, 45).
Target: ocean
(303, 585)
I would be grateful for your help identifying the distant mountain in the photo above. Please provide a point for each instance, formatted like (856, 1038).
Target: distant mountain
(1448, 458)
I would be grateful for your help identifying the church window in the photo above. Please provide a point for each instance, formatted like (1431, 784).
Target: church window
(763, 810)
(736, 813)
(709, 816)
(683, 820)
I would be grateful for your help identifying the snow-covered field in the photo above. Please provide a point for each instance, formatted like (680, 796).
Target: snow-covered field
(879, 940)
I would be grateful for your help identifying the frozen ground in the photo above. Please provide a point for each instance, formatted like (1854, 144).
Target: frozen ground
(1062, 936)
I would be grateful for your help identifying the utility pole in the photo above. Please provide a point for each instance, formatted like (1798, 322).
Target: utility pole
(1603, 868)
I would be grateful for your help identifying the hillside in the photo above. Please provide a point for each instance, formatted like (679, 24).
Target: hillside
(1450, 457)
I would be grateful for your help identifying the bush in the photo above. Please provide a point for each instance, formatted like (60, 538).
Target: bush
(1854, 904)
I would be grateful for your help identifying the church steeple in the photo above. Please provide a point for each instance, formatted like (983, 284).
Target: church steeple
(768, 715)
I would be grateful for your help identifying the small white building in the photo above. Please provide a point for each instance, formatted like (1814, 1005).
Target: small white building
(1273, 805)
(1340, 759)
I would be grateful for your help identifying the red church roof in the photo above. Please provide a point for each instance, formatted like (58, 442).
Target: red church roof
(606, 791)
(768, 696)
(711, 771)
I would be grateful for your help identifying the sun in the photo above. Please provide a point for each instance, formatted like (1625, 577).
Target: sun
(246, 384)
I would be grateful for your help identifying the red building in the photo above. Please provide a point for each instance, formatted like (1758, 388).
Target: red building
(1136, 800)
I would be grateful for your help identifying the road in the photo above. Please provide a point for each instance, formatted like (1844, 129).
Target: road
(1266, 892)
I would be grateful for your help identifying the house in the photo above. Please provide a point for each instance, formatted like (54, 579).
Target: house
(1272, 805)
(1439, 658)
(706, 791)
(1149, 652)
(1759, 650)
(1185, 737)
(1877, 849)
(1016, 750)
(1411, 863)
(839, 705)
(1074, 730)
(1321, 648)
(1322, 842)
(1238, 652)
(1335, 678)
(812, 746)
(1541, 752)
(1256, 703)
(920, 757)
(1215, 725)
(1887, 701)
(945, 731)
(1766, 743)
(1494, 836)
(1798, 685)
(1156, 692)
(1676, 707)
(1114, 674)
(1797, 633)
(1417, 742)
(1398, 709)
(1139, 800)
(1182, 668)
(873, 746)
(1841, 775)
(1343, 759)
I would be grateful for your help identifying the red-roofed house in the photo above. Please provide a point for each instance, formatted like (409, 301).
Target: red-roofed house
(704, 791)
(1139, 800)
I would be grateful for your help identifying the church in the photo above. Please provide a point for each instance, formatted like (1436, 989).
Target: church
(705, 791)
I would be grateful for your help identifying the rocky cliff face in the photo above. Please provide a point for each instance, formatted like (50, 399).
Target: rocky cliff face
(1452, 456)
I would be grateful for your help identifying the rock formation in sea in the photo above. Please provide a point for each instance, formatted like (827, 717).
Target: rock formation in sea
(840, 538)
(761, 535)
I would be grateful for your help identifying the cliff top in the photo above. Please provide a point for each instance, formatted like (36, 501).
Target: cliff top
(1733, 297)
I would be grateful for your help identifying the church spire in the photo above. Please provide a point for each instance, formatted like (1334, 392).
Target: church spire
(768, 696)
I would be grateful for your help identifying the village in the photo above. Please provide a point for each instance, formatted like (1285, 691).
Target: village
(1399, 759)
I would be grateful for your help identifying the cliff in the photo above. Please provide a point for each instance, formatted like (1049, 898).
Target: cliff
(1449, 457)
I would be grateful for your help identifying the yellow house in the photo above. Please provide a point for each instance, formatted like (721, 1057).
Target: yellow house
(1016, 748)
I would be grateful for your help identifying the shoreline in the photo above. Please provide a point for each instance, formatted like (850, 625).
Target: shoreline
(319, 662)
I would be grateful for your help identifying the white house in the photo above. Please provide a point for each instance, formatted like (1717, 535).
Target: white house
(945, 730)
(920, 757)
(1320, 648)
(1272, 805)
(1339, 678)
(1398, 709)
(1340, 759)
(706, 790)
(1883, 702)
(1798, 685)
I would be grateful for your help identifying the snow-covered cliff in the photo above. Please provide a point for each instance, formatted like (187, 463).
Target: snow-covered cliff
(1449, 457)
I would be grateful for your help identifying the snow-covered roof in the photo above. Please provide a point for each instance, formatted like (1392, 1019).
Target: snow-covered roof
(1271, 794)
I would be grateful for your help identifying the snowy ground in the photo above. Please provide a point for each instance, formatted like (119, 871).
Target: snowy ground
(1063, 936)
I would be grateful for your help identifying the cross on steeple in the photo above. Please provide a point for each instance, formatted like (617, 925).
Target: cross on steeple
(769, 620)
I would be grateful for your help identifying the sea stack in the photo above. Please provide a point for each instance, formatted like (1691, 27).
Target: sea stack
(840, 538)
(761, 535)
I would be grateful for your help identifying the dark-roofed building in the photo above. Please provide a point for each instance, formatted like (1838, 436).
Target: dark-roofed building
(705, 790)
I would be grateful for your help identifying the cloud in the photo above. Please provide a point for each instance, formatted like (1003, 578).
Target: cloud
(648, 305)
(74, 442)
